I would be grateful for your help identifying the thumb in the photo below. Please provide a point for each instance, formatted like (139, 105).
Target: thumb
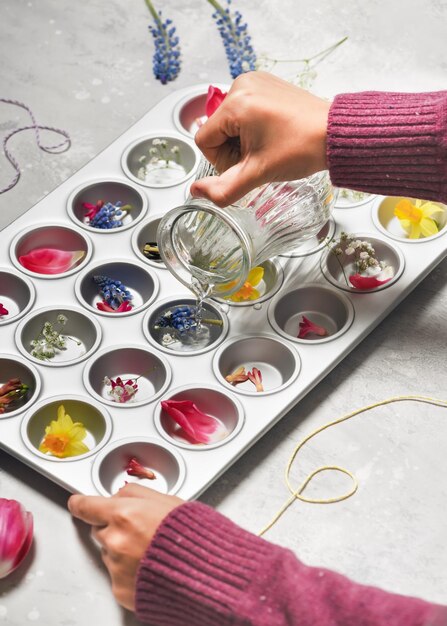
(230, 186)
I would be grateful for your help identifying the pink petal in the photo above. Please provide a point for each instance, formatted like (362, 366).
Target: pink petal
(366, 282)
(197, 425)
(214, 99)
(255, 377)
(16, 535)
(124, 307)
(50, 260)
(134, 468)
(3, 311)
(307, 327)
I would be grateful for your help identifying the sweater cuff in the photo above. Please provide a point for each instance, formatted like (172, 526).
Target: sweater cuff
(389, 143)
(197, 569)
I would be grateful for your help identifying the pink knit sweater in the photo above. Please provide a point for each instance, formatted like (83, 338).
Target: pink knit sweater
(203, 570)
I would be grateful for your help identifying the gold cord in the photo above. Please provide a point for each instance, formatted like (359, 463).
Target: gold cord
(296, 494)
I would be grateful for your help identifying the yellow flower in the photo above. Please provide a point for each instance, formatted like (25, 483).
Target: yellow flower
(416, 218)
(63, 437)
(248, 291)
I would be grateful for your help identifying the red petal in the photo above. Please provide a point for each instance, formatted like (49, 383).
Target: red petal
(3, 311)
(103, 306)
(197, 425)
(366, 282)
(214, 99)
(50, 260)
(307, 327)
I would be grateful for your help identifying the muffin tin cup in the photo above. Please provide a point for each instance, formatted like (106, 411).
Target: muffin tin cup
(271, 283)
(147, 232)
(17, 295)
(190, 112)
(152, 371)
(90, 413)
(108, 190)
(224, 407)
(142, 284)
(347, 203)
(385, 251)
(315, 244)
(13, 366)
(322, 305)
(163, 176)
(278, 362)
(386, 222)
(109, 473)
(216, 334)
(58, 236)
(78, 328)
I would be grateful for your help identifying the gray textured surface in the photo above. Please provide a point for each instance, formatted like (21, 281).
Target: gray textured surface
(86, 67)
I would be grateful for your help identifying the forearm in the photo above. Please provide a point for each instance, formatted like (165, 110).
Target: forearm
(202, 569)
(389, 143)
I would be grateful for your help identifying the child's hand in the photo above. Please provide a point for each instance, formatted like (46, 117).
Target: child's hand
(265, 130)
(124, 525)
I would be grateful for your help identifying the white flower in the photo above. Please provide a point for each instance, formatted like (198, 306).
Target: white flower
(349, 251)
(156, 142)
(364, 255)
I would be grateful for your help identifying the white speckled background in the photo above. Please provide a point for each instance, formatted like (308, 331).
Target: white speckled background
(86, 67)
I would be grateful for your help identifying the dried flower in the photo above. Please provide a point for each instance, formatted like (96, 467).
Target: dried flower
(237, 42)
(363, 256)
(238, 376)
(11, 393)
(16, 535)
(248, 291)
(63, 437)
(198, 426)
(134, 468)
(121, 391)
(214, 99)
(50, 260)
(309, 328)
(166, 60)
(3, 311)
(416, 218)
(92, 209)
(50, 340)
(255, 377)
(116, 296)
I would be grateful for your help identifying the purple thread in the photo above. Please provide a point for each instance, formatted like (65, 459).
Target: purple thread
(65, 145)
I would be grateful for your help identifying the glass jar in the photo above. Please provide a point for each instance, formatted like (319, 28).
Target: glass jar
(211, 250)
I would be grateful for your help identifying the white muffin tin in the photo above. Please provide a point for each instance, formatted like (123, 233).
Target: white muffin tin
(261, 334)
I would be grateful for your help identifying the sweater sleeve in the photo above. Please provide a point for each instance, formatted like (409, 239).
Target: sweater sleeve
(203, 570)
(389, 143)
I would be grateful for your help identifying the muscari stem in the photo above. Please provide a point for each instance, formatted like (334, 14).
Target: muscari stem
(219, 8)
(322, 53)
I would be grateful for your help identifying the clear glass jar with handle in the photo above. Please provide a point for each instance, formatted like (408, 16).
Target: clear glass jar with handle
(211, 250)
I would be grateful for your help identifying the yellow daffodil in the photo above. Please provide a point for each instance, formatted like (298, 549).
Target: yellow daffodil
(416, 218)
(248, 291)
(63, 437)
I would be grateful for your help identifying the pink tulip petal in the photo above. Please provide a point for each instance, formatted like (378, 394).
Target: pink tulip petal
(307, 327)
(124, 307)
(3, 311)
(50, 260)
(367, 282)
(214, 99)
(196, 424)
(16, 535)
(255, 377)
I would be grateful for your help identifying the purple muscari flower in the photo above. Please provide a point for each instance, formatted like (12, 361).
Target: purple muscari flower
(112, 291)
(166, 60)
(237, 42)
(109, 216)
(182, 318)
